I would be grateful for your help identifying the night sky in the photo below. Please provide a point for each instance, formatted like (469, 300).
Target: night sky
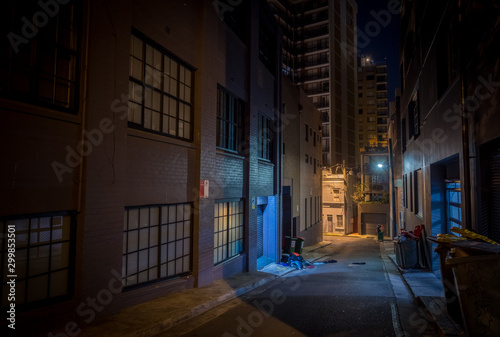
(385, 44)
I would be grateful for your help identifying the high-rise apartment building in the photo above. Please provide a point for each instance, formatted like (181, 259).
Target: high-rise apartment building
(319, 40)
(372, 104)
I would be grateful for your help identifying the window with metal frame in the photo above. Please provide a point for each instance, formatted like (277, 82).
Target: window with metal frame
(453, 205)
(43, 69)
(228, 229)
(160, 90)
(265, 137)
(44, 258)
(157, 243)
(230, 110)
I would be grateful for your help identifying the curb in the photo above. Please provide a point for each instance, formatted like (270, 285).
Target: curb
(444, 324)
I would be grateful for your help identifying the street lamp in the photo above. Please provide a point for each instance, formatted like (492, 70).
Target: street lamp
(380, 165)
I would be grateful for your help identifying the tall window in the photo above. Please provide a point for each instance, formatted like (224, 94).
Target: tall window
(418, 193)
(267, 45)
(156, 243)
(411, 192)
(405, 190)
(229, 120)
(340, 221)
(305, 211)
(403, 135)
(40, 70)
(265, 137)
(160, 90)
(44, 257)
(336, 195)
(228, 230)
(453, 205)
(311, 211)
(414, 115)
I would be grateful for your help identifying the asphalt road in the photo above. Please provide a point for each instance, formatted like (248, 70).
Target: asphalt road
(352, 297)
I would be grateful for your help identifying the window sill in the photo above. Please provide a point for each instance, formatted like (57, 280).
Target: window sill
(222, 263)
(41, 111)
(159, 138)
(265, 161)
(225, 152)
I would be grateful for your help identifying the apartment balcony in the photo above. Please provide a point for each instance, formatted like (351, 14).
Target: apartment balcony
(312, 49)
(321, 105)
(322, 16)
(312, 78)
(309, 6)
(382, 112)
(325, 118)
(316, 62)
(312, 32)
(317, 91)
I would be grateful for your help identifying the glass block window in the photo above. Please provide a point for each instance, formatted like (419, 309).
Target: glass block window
(228, 230)
(160, 90)
(157, 243)
(44, 257)
(230, 111)
(38, 64)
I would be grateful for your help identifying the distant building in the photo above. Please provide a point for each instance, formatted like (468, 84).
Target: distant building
(141, 153)
(334, 201)
(301, 165)
(373, 192)
(319, 53)
(373, 107)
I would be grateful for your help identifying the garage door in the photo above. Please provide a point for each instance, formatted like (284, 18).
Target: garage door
(369, 222)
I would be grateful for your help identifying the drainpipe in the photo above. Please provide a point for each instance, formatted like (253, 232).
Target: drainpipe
(393, 190)
(465, 134)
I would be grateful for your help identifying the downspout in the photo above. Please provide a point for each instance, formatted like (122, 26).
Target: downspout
(393, 190)
(465, 133)
(83, 107)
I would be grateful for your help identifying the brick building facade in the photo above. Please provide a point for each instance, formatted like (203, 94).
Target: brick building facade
(113, 112)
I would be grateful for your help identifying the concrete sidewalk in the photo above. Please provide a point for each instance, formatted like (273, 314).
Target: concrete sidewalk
(153, 317)
(427, 291)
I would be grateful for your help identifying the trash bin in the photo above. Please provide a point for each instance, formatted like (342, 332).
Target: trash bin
(406, 254)
(380, 232)
(299, 245)
(470, 272)
(290, 244)
(477, 279)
